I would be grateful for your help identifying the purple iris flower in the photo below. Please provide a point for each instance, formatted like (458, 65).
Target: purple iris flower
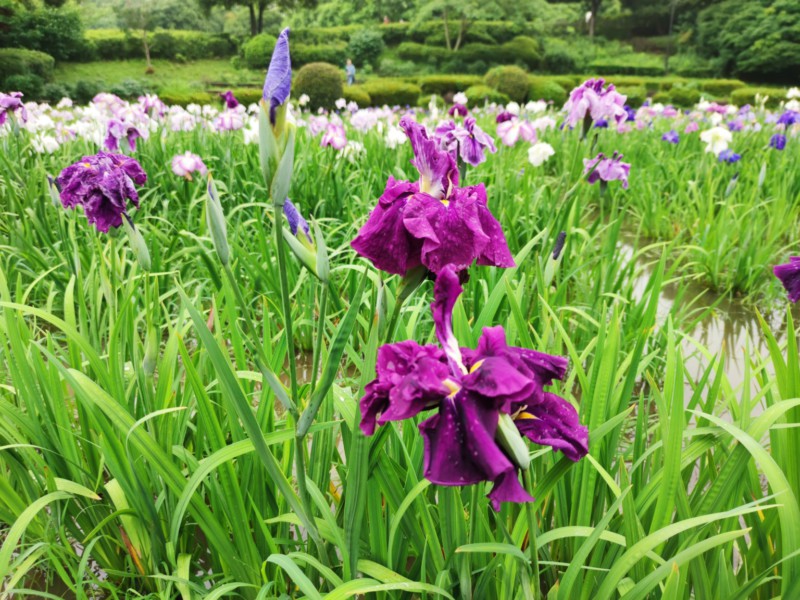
(469, 141)
(12, 103)
(601, 124)
(334, 136)
(790, 117)
(102, 184)
(458, 110)
(296, 220)
(278, 83)
(472, 390)
(736, 125)
(607, 169)
(503, 117)
(789, 274)
(592, 100)
(777, 141)
(729, 156)
(230, 100)
(432, 222)
(671, 136)
(631, 114)
(118, 130)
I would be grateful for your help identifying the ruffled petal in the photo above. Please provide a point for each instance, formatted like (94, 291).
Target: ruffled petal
(554, 422)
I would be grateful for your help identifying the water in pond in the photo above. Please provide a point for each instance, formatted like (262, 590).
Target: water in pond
(728, 326)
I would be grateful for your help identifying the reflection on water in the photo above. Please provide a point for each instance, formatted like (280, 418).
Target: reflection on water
(726, 326)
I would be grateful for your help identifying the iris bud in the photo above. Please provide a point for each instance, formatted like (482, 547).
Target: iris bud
(138, 245)
(215, 219)
(510, 440)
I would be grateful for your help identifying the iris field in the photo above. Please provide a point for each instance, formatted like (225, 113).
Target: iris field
(181, 394)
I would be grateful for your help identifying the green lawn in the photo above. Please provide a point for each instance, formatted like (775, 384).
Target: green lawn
(199, 74)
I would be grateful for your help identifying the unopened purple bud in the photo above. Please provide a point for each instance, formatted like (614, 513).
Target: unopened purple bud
(560, 241)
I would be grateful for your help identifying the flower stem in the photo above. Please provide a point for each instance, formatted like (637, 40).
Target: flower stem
(323, 309)
(526, 478)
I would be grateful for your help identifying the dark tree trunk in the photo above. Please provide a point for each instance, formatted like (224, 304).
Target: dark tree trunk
(253, 23)
(462, 30)
(595, 4)
(261, 7)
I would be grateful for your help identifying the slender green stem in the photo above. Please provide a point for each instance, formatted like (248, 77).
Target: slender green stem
(398, 305)
(526, 478)
(323, 308)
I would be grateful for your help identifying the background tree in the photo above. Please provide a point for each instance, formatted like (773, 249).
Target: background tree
(257, 8)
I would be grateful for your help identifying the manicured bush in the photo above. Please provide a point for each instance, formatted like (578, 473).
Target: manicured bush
(662, 98)
(479, 94)
(258, 50)
(191, 45)
(523, 50)
(334, 53)
(113, 44)
(391, 67)
(17, 61)
(559, 60)
(322, 82)
(509, 80)
(683, 96)
(422, 54)
(58, 32)
(357, 94)
(424, 101)
(448, 84)
(30, 85)
(635, 95)
(635, 64)
(184, 98)
(747, 95)
(53, 92)
(248, 95)
(129, 89)
(391, 92)
(544, 88)
(365, 47)
(85, 90)
(721, 87)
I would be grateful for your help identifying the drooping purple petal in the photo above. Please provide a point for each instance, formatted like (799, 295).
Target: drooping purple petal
(554, 422)
(384, 239)
(437, 169)
(445, 294)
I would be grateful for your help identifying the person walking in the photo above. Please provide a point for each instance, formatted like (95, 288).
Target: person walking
(350, 71)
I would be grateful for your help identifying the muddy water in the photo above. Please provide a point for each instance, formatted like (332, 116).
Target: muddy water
(727, 326)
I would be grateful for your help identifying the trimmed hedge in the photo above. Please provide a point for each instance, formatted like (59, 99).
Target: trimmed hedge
(478, 94)
(635, 95)
(115, 44)
(334, 54)
(448, 84)
(184, 98)
(322, 82)
(747, 95)
(622, 67)
(392, 92)
(509, 80)
(17, 61)
(684, 97)
(247, 95)
(422, 54)
(545, 88)
(257, 51)
(721, 87)
(357, 94)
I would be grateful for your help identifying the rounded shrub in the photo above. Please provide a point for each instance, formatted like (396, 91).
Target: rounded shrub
(30, 85)
(330, 53)
(544, 88)
(17, 61)
(322, 82)
(85, 90)
(524, 50)
(747, 95)
(478, 94)
(392, 92)
(258, 50)
(365, 47)
(448, 84)
(356, 93)
(509, 80)
(560, 61)
(721, 87)
(185, 97)
(53, 92)
(684, 96)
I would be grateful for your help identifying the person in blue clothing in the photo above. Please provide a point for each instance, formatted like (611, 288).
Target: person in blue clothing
(350, 71)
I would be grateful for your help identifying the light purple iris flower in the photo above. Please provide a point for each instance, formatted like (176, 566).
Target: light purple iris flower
(185, 165)
(469, 141)
(789, 274)
(514, 129)
(592, 100)
(12, 103)
(432, 222)
(470, 390)
(278, 83)
(102, 184)
(671, 137)
(601, 168)
(118, 130)
(334, 136)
